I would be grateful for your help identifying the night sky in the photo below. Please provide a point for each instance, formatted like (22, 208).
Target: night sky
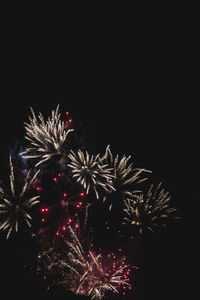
(145, 107)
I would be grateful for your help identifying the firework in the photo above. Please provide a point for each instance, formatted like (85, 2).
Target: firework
(150, 210)
(46, 138)
(90, 171)
(83, 272)
(62, 211)
(124, 175)
(14, 208)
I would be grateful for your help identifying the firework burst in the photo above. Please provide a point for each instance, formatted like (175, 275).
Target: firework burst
(83, 272)
(124, 175)
(14, 208)
(150, 210)
(90, 171)
(46, 138)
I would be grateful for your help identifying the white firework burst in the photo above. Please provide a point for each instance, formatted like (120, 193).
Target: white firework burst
(150, 210)
(15, 207)
(124, 175)
(46, 138)
(90, 171)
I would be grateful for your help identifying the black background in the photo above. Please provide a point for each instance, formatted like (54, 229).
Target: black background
(138, 94)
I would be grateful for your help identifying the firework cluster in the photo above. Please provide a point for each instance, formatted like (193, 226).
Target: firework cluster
(80, 270)
(65, 196)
